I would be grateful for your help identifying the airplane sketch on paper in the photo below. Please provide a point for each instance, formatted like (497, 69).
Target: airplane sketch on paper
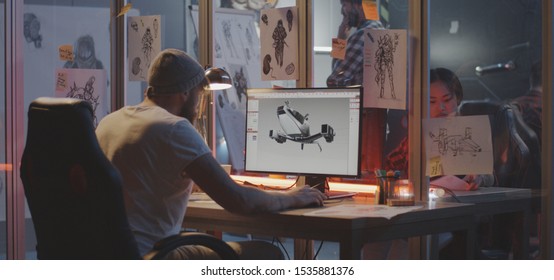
(457, 144)
(297, 128)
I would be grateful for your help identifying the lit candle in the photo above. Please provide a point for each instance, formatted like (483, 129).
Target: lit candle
(404, 192)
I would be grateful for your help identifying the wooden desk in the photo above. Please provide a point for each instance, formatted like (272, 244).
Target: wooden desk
(520, 203)
(350, 233)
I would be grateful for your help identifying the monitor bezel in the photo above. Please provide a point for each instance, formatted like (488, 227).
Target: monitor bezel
(360, 131)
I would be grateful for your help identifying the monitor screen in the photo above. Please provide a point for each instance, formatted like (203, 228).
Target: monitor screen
(313, 131)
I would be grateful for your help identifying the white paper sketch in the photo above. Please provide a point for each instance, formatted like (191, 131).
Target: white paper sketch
(362, 210)
(244, 68)
(144, 43)
(462, 144)
(385, 68)
(85, 84)
(279, 37)
(85, 28)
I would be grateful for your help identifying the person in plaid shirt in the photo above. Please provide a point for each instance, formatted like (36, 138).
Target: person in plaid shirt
(349, 71)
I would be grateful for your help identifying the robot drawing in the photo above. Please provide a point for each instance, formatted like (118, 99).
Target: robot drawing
(384, 62)
(458, 144)
(297, 128)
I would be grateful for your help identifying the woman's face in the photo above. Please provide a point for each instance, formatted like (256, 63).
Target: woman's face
(443, 102)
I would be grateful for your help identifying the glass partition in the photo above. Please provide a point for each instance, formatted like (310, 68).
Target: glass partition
(66, 54)
(385, 127)
(3, 165)
(486, 74)
(237, 47)
(494, 48)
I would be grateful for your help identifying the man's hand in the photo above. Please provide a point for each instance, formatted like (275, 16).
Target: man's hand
(306, 196)
(344, 28)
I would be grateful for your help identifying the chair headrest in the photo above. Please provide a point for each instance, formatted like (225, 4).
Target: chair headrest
(53, 103)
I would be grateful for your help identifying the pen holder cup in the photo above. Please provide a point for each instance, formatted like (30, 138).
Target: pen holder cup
(395, 192)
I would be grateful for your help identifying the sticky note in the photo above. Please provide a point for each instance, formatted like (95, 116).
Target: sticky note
(125, 9)
(436, 166)
(61, 80)
(66, 52)
(338, 49)
(371, 10)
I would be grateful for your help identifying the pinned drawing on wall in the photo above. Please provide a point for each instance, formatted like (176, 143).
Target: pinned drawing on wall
(86, 84)
(31, 29)
(84, 54)
(237, 50)
(385, 68)
(458, 145)
(280, 51)
(144, 42)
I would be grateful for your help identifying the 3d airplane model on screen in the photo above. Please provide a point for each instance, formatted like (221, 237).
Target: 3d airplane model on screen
(297, 128)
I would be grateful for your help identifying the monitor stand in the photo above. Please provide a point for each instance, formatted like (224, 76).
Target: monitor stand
(319, 181)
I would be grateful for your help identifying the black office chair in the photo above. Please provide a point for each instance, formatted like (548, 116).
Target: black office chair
(515, 146)
(75, 193)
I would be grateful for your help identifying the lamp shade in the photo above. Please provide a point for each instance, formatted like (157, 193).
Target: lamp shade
(218, 79)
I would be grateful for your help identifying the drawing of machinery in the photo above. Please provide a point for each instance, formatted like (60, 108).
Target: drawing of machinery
(297, 128)
(455, 143)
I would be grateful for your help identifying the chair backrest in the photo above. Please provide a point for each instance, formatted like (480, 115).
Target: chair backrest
(515, 145)
(73, 191)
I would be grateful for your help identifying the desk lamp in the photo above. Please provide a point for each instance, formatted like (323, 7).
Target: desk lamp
(218, 79)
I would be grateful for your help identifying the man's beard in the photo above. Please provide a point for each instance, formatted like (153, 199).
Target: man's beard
(189, 112)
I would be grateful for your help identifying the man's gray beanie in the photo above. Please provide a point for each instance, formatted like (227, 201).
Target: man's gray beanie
(174, 71)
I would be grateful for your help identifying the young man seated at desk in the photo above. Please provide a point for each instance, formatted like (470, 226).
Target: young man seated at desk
(159, 153)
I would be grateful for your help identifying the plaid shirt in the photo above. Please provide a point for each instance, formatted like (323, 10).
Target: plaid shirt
(397, 159)
(349, 71)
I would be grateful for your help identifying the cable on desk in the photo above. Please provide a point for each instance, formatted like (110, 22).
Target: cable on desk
(447, 190)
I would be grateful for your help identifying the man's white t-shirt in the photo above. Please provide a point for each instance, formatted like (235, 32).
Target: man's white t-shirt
(151, 147)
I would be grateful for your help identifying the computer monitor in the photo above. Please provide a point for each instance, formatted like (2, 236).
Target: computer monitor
(313, 132)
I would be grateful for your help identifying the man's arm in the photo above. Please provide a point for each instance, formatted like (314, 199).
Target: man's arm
(212, 179)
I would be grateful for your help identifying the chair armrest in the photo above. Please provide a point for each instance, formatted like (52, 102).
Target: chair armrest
(166, 245)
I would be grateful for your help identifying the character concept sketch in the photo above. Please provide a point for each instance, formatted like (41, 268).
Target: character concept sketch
(86, 93)
(156, 26)
(147, 46)
(134, 25)
(248, 35)
(267, 65)
(85, 55)
(279, 35)
(240, 83)
(135, 69)
(458, 144)
(265, 19)
(31, 29)
(297, 128)
(384, 62)
(218, 50)
(289, 19)
(226, 24)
